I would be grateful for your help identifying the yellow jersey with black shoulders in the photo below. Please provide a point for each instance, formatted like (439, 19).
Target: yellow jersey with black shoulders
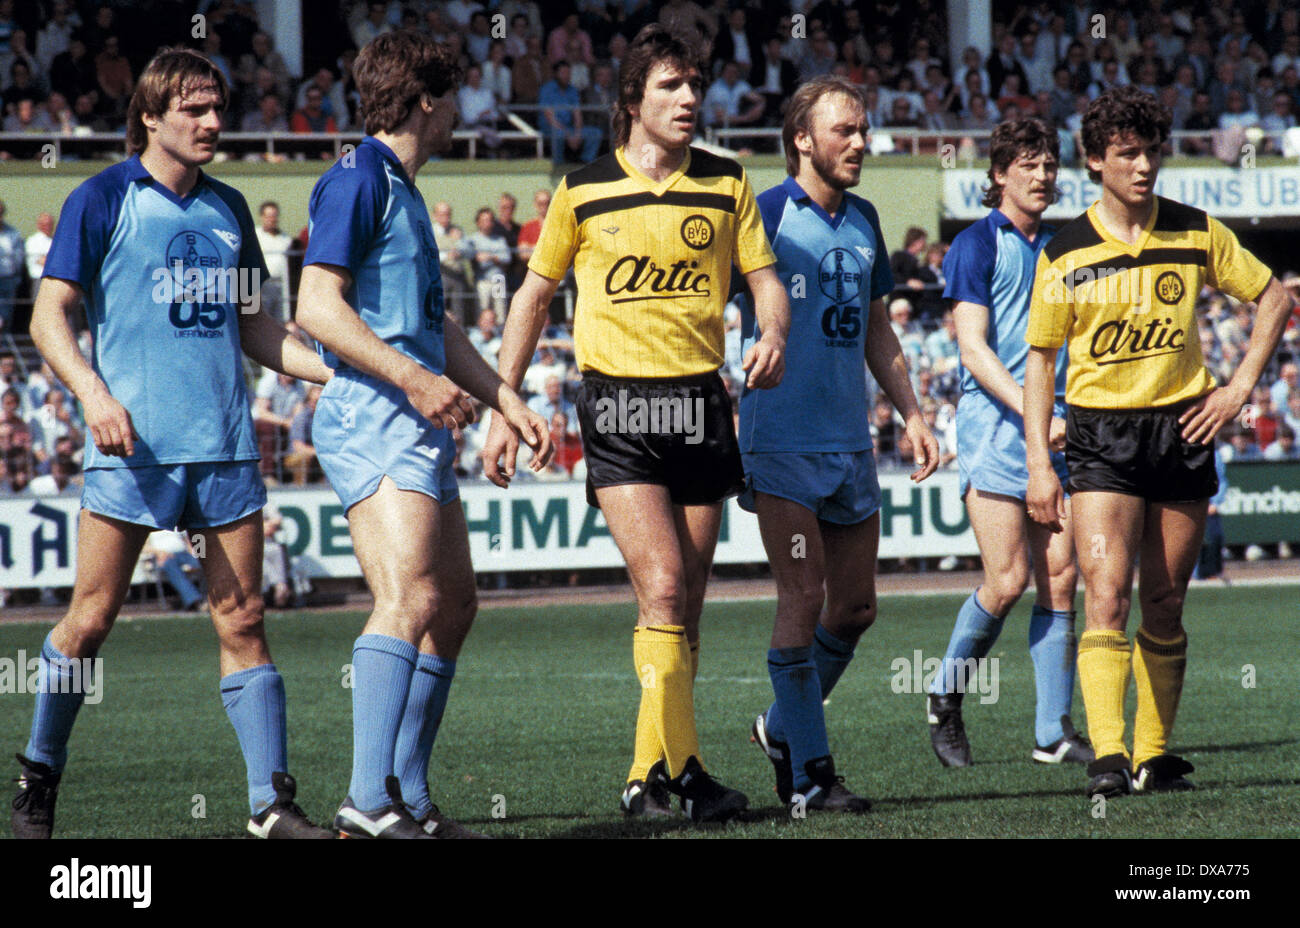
(1129, 311)
(652, 260)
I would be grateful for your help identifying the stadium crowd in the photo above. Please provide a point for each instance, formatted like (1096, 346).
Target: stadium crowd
(1231, 72)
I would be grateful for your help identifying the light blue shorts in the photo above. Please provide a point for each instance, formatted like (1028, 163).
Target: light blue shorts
(838, 486)
(991, 447)
(170, 496)
(366, 429)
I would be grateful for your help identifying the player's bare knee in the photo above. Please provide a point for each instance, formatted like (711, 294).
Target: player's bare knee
(240, 620)
(1162, 607)
(849, 620)
(1000, 592)
(663, 596)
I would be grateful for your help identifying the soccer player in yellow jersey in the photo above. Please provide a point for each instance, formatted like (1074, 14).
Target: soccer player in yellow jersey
(1120, 284)
(652, 231)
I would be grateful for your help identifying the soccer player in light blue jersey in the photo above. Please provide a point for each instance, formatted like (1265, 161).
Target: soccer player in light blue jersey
(990, 273)
(372, 295)
(168, 263)
(810, 471)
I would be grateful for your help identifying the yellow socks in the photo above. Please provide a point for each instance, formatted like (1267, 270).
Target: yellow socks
(665, 725)
(1104, 662)
(1158, 668)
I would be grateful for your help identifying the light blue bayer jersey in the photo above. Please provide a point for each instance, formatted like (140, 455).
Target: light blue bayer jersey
(367, 217)
(992, 264)
(832, 267)
(162, 277)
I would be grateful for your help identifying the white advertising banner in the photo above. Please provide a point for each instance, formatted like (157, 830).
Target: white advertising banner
(1225, 193)
(532, 526)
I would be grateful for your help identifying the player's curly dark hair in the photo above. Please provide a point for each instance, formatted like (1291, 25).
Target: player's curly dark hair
(1011, 141)
(173, 72)
(395, 69)
(652, 45)
(1121, 111)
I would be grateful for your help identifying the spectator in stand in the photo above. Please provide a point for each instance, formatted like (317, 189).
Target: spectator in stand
(900, 114)
(37, 247)
(819, 57)
(551, 400)
(277, 567)
(485, 336)
(26, 117)
(906, 264)
(332, 100)
(478, 41)
(567, 442)
(54, 37)
(1280, 117)
(730, 101)
(1242, 447)
(908, 332)
(300, 460)
(559, 43)
(603, 93)
(504, 225)
(263, 55)
(456, 272)
(972, 63)
(489, 255)
(528, 73)
(113, 74)
(1235, 114)
(171, 555)
(532, 229)
(774, 76)
(562, 119)
(12, 258)
(21, 86)
(212, 49)
(477, 106)
(1004, 62)
(375, 23)
(277, 396)
(55, 420)
(1286, 386)
(311, 116)
(1283, 448)
(268, 117)
(275, 249)
(941, 347)
(546, 365)
(737, 42)
(17, 436)
(978, 115)
(496, 72)
(884, 432)
(460, 11)
(62, 476)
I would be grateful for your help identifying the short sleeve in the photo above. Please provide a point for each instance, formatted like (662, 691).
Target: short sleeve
(882, 276)
(751, 250)
(344, 213)
(250, 247)
(1051, 308)
(558, 243)
(1233, 269)
(83, 234)
(968, 268)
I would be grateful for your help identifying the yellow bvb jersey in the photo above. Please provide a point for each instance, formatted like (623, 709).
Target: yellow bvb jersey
(1129, 311)
(652, 261)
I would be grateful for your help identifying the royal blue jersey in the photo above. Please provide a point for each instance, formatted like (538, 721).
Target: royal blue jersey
(992, 264)
(368, 217)
(163, 278)
(833, 267)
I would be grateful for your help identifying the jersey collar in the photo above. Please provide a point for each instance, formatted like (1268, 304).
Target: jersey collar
(1001, 219)
(799, 195)
(1134, 249)
(136, 171)
(658, 188)
(388, 155)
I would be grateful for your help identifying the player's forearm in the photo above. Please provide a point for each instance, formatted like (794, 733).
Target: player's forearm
(271, 345)
(524, 327)
(989, 373)
(467, 369)
(1275, 308)
(1040, 380)
(55, 341)
(771, 304)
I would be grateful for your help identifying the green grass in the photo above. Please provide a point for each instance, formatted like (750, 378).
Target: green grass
(543, 709)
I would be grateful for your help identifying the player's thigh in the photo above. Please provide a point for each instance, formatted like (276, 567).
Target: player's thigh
(1170, 547)
(1107, 535)
(397, 538)
(851, 552)
(641, 522)
(792, 539)
(999, 525)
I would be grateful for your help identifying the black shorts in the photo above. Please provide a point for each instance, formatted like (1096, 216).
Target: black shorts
(675, 432)
(1137, 452)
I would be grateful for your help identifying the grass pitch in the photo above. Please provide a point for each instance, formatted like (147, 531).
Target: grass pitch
(538, 733)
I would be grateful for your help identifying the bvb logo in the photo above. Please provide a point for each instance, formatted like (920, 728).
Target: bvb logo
(697, 232)
(1169, 288)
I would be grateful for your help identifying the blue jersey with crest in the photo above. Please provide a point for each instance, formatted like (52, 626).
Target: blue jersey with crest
(368, 217)
(992, 264)
(163, 277)
(832, 267)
